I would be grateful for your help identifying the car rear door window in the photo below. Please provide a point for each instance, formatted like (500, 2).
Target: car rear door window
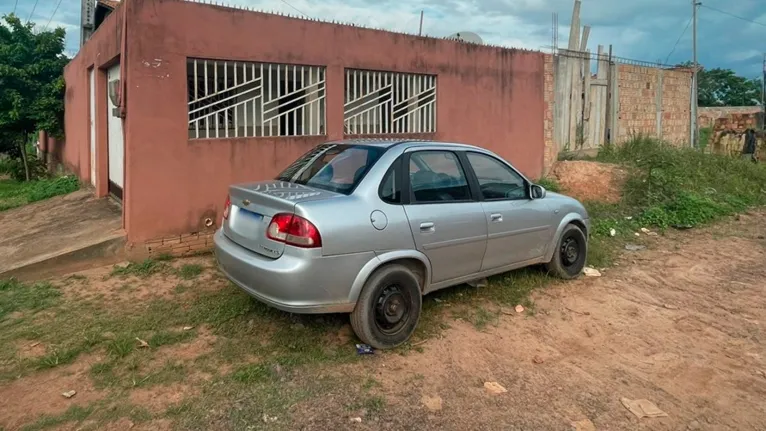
(437, 176)
(497, 181)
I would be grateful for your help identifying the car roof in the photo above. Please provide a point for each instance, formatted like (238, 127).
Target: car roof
(387, 143)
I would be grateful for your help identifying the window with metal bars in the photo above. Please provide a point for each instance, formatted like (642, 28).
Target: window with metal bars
(231, 99)
(389, 103)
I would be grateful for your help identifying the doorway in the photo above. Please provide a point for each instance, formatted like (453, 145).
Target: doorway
(116, 146)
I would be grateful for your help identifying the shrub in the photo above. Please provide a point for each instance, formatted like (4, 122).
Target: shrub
(682, 186)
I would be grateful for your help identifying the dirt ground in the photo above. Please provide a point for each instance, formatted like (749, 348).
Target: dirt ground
(590, 181)
(679, 324)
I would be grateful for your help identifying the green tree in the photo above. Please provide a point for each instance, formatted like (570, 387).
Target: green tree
(31, 84)
(723, 87)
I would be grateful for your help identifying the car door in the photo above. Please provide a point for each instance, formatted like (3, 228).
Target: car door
(518, 227)
(446, 222)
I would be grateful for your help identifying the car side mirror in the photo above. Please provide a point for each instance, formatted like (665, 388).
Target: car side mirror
(537, 191)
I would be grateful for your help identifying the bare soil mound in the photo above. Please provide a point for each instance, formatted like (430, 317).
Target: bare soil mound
(590, 181)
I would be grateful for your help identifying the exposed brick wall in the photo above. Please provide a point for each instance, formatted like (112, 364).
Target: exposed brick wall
(637, 112)
(736, 116)
(176, 245)
(550, 152)
(676, 106)
(637, 108)
(727, 126)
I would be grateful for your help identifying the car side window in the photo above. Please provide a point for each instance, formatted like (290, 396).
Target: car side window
(390, 188)
(437, 177)
(496, 180)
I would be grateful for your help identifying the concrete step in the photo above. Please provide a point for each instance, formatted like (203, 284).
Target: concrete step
(106, 250)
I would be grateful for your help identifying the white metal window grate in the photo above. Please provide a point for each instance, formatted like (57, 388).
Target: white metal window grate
(389, 103)
(230, 99)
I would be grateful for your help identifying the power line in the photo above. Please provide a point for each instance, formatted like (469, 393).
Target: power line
(679, 40)
(33, 11)
(732, 15)
(52, 15)
(298, 10)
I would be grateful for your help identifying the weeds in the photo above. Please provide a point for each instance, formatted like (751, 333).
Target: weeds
(19, 297)
(190, 271)
(550, 184)
(17, 193)
(668, 186)
(141, 269)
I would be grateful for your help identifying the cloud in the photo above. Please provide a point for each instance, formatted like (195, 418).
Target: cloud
(645, 30)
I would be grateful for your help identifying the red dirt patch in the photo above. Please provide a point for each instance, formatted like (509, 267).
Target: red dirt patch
(158, 398)
(119, 291)
(590, 181)
(30, 349)
(24, 400)
(188, 351)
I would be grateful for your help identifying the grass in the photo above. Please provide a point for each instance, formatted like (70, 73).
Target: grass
(14, 194)
(151, 266)
(190, 271)
(96, 413)
(142, 269)
(549, 184)
(671, 187)
(20, 297)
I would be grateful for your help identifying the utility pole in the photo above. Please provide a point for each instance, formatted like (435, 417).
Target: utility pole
(693, 133)
(420, 29)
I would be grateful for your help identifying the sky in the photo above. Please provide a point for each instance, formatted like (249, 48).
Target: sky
(638, 29)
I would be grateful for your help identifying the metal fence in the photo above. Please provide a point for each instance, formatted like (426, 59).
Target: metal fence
(389, 103)
(230, 99)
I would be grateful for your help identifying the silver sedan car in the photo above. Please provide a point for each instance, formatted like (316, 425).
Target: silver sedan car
(368, 227)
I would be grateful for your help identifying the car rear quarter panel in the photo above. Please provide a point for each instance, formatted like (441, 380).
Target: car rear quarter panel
(346, 227)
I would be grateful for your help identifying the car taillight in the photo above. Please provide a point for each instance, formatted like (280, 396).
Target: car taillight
(294, 230)
(226, 207)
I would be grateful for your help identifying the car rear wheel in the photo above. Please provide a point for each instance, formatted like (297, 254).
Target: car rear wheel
(571, 251)
(388, 309)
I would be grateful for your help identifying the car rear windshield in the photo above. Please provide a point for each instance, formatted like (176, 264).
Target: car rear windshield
(335, 167)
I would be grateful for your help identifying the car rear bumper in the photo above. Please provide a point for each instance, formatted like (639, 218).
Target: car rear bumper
(300, 281)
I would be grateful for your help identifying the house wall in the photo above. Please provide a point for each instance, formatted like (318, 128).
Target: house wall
(102, 50)
(486, 96)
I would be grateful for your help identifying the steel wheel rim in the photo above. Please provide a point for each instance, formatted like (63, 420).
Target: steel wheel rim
(392, 309)
(569, 251)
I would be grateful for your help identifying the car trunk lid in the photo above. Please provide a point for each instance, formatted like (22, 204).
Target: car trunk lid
(253, 206)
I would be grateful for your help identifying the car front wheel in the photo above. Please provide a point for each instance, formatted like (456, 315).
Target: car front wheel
(571, 252)
(388, 308)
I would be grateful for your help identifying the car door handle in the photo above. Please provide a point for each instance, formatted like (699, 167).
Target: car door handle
(496, 217)
(427, 226)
